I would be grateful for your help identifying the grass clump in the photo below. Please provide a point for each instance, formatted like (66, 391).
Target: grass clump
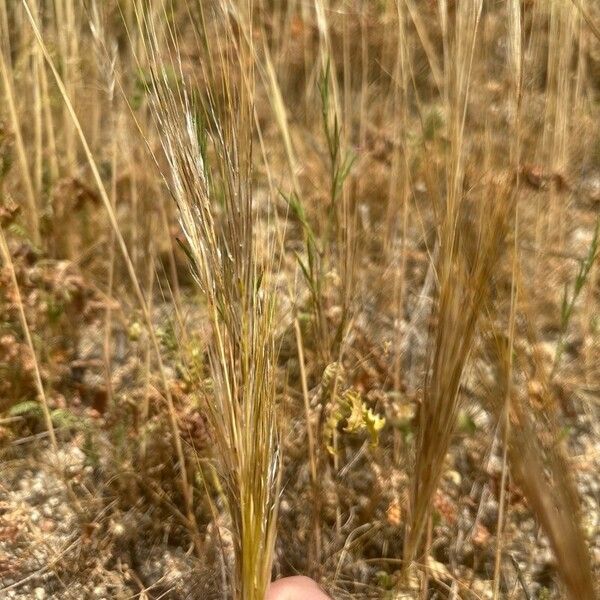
(208, 146)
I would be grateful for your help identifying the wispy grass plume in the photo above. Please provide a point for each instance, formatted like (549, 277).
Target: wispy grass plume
(208, 146)
(471, 237)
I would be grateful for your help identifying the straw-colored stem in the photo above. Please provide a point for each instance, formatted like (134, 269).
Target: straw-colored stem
(185, 486)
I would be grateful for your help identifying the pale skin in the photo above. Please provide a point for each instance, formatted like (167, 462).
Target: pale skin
(295, 588)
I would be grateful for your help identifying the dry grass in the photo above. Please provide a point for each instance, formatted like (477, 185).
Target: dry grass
(208, 147)
(294, 276)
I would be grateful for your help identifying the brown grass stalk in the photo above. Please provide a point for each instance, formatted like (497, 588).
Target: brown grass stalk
(555, 502)
(468, 254)
(30, 199)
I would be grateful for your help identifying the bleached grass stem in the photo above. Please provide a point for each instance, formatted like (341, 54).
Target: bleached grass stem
(185, 486)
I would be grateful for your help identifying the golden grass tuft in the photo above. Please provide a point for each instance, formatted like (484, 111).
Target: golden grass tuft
(208, 146)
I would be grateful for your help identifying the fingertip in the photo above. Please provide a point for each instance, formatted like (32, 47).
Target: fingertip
(298, 587)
